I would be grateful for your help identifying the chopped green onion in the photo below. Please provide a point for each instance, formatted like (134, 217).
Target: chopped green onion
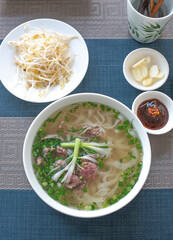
(67, 118)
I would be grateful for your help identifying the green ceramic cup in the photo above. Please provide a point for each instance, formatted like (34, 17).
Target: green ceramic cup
(146, 29)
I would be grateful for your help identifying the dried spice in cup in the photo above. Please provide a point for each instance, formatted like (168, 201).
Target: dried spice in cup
(151, 8)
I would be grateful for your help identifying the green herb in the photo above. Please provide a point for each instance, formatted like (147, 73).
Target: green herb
(88, 208)
(84, 189)
(108, 109)
(131, 124)
(60, 133)
(120, 184)
(129, 136)
(44, 184)
(127, 126)
(120, 127)
(102, 107)
(34, 166)
(138, 146)
(96, 139)
(116, 114)
(130, 155)
(101, 164)
(44, 124)
(67, 118)
(93, 207)
(72, 110)
(76, 130)
(131, 142)
(57, 116)
(92, 104)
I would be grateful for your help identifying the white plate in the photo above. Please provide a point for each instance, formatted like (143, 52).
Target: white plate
(8, 67)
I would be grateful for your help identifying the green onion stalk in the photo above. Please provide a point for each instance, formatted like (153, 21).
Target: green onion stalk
(100, 148)
(70, 167)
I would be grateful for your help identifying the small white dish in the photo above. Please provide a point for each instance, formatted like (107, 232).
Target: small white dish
(163, 98)
(156, 58)
(8, 67)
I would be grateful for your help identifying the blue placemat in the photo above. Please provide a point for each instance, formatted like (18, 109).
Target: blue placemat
(104, 75)
(23, 216)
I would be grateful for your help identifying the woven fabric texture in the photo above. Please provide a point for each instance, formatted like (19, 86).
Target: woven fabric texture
(104, 76)
(23, 216)
(92, 18)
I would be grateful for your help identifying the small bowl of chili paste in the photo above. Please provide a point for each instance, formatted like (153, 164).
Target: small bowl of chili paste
(155, 111)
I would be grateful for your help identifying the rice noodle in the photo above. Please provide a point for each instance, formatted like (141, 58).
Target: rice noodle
(107, 127)
(90, 111)
(52, 136)
(129, 164)
(101, 116)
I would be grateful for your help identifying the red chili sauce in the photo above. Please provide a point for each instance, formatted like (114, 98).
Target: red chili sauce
(153, 114)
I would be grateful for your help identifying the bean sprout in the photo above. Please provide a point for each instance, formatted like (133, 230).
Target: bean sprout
(44, 59)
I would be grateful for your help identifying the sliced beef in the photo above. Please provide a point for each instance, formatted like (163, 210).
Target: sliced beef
(39, 161)
(59, 162)
(61, 152)
(74, 182)
(88, 171)
(93, 132)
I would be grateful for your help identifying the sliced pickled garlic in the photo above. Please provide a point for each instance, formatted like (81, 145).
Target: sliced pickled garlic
(148, 59)
(137, 74)
(144, 74)
(153, 72)
(144, 71)
(138, 64)
(160, 75)
(147, 82)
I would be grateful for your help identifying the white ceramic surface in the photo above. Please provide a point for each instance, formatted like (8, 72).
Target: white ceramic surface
(8, 67)
(156, 58)
(54, 107)
(146, 29)
(167, 101)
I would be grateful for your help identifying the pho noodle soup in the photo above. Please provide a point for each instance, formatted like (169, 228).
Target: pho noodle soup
(87, 156)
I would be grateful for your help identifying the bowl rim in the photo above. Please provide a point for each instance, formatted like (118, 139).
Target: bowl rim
(53, 107)
(155, 94)
(134, 83)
